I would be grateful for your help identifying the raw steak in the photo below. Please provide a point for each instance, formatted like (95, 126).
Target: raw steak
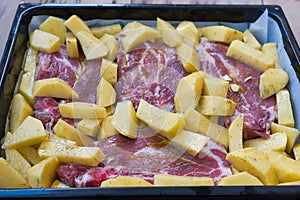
(146, 156)
(258, 113)
(151, 72)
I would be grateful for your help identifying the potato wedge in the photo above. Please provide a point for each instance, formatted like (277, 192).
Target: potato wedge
(246, 54)
(272, 81)
(250, 40)
(20, 109)
(75, 24)
(169, 34)
(189, 58)
(109, 71)
(18, 161)
(26, 85)
(173, 180)
(30, 60)
(125, 181)
(125, 119)
(106, 94)
(90, 156)
(188, 92)
(30, 154)
(166, 123)
(189, 32)
(43, 174)
(284, 106)
(53, 87)
(112, 46)
(270, 49)
(190, 142)
(292, 134)
(235, 133)
(216, 106)
(80, 110)
(89, 127)
(213, 86)
(221, 34)
(255, 163)
(45, 42)
(35, 134)
(71, 45)
(276, 142)
(10, 177)
(296, 151)
(107, 128)
(54, 26)
(59, 184)
(240, 179)
(112, 29)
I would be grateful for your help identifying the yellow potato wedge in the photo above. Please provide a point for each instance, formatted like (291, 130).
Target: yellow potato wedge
(45, 42)
(106, 94)
(216, 106)
(71, 45)
(90, 156)
(166, 123)
(53, 87)
(270, 49)
(235, 133)
(18, 161)
(188, 92)
(35, 134)
(54, 26)
(43, 174)
(289, 183)
(250, 40)
(112, 46)
(188, 57)
(296, 151)
(109, 71)
(246, 54)
(10, 177)
(75, 24)
(221, 34)
(125, 181)
(30, 154)
(240, 179)
(285, 114)
(30, 60)
(272, 81)
(112, 29)
(59, 184)
(173, 180)
(89, 127)
(213, 86)
(107, 128)
(80, 110)
(20, 109)
(125, 119)
(169, 34)
(255, 163)
(189, 32)
(26, 85)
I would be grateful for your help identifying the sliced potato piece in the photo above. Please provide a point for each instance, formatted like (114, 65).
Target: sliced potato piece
(166, 123)
(112, 29)
(272, 81)
(190, 33)
(106, 94)
(290, 183)
(75, 24)
(18, 161)
(45, 42)
(240, 179)
(90, 156)
(54, 26)
(190, 142)
(30, 132)
(30, 60)
(72, 47)
(125, 181)
(216, 105)
(109, 71)
(112, 46)
(26, 85)
(250, 40)
(213, 86)
(93, 48)
(59, 184)
(255, 163)
(20, 109)
(292, 134)
(276, 142)
(270, 49)
(169, 34)
(221, 34)
(10, 177)
(125, 120)
(30, 154)
(188, 92)
(284, 108)
(235, 133)
(137, 36)
(80, 110)
(89, 127)
(43, 174)
(53, 87)
(296, 151)
(246, 54)
(188, 57)
(173, 180)
(107, 128)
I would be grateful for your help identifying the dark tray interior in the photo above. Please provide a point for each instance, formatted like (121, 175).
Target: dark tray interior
(13, 57)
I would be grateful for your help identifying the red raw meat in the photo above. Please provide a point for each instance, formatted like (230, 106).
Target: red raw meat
(258, 113)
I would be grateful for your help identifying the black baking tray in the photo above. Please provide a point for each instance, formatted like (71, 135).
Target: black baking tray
(16, 46)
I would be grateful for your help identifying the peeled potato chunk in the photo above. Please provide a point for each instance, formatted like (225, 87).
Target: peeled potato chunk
(112, 45)
(125, 181)
(26, 86)
(54, 26)
(272, 81)
(106, 94)
(107, 128)
(235, 133)
(171, 180)
(239, 179)
(80, 110)
(75, 24)
(54, 87)
(216, 105)
(285, 109)
(190, 33)
(189, 58)
(170, 35)
(112, 29)
(45, 42)
(71, 45)
(250, 40)
(109, 71)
